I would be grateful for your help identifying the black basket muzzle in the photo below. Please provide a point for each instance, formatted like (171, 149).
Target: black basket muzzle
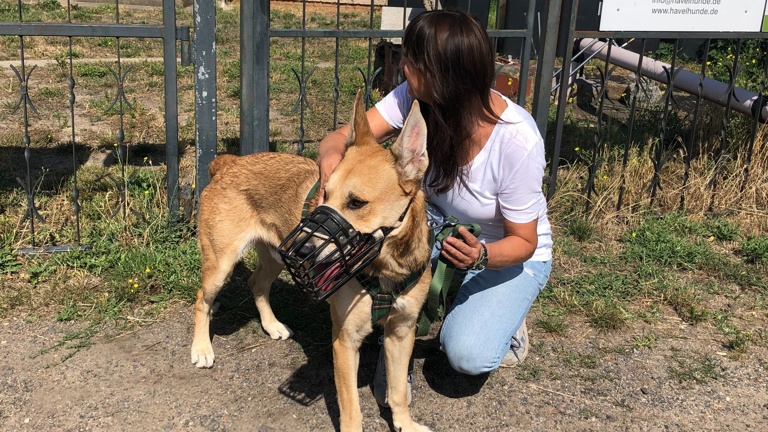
(324, 251)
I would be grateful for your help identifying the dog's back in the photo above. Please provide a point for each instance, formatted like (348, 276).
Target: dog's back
(221, 162)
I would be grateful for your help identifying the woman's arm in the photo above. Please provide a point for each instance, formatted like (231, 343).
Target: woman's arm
(518, 245)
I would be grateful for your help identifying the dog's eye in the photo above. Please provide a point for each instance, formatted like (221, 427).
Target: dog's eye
(355, 204)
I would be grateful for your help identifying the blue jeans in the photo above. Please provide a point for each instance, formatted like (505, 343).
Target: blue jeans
(489, 307)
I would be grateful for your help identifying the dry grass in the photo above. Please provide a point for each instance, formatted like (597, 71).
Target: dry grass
(744, 202)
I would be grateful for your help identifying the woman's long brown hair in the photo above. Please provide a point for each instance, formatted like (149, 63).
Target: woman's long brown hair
(452, 51)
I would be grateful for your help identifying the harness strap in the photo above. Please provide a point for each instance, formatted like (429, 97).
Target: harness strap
(382, 302)
(440, 288)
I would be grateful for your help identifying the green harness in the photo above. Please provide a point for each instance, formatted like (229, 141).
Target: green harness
(439, 290)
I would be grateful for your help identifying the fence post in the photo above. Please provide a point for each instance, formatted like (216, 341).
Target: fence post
(565, 48)
(171, 107)
(205, 90)
(254, 76)
(545, 66)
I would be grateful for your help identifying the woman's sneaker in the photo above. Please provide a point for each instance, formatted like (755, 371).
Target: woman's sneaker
(518, 349)
(380, 379)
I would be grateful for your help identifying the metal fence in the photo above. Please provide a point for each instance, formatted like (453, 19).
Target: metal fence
(709, 103)
(546, 61)
(24, 29)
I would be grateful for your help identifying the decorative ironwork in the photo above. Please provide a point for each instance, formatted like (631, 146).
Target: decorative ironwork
(24, 93)
(597, 153)
(695, 126)
(723, 156)
(661, 153)
(630, 127)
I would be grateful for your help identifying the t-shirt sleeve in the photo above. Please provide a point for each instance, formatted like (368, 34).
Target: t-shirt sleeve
(395, 106)
(520, 196)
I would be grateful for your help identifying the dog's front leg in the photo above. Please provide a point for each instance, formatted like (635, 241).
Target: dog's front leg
(399, 337)
(350, 313)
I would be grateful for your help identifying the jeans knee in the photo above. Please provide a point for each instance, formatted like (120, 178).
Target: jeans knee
(468, 361)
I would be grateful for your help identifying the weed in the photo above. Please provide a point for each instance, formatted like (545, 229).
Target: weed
(754, 249)
(722, 229)
(69, 312)
(739, 343)
(553, 324)
(8, 262)
(91, 71)
(697, 368)
(580, 229)
(647, 340)
(607, 315)
(686, 302)
(528, 372)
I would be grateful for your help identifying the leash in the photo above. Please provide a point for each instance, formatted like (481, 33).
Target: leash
(440, 288)
(310, 195)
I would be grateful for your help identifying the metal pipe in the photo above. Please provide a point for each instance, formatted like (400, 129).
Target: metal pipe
(712, 90)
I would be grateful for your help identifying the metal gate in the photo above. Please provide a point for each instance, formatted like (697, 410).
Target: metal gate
(24, 70)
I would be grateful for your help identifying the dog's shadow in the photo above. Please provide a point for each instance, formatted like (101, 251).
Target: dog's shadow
(311, 324)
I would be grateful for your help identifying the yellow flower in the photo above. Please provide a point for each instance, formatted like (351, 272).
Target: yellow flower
(605, 177)
(576, 149)
(509, 82)
(634, 235)
(135, 285)
(146, 270)
(711, 238)
(146, 192)
(570, 100)
(130, 280)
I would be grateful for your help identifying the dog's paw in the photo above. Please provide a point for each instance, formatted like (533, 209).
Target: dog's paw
(278, 331)
(412, 427)
(202, 358)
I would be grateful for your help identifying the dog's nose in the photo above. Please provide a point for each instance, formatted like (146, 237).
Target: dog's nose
(305, 250)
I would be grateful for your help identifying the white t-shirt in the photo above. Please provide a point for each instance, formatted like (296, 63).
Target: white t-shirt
(504, 180)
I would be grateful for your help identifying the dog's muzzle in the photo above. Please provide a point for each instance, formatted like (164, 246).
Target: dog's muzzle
(324, 251)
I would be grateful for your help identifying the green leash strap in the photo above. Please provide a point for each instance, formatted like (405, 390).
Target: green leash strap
(310, 195)
(440, 288)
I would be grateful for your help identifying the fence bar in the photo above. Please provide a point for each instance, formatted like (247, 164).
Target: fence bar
(254, 67)
(205, 91)
(546, 66)
(373, 33)
(171, 108)
(562, 101)
(525, 54)
(84, 30)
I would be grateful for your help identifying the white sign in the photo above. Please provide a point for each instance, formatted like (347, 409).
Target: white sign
(683, 15)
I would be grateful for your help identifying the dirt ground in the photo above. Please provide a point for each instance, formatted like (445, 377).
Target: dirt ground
(581, 381)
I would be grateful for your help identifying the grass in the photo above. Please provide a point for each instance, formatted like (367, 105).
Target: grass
(616, 271)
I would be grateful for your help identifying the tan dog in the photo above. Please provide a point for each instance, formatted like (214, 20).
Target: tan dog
(257, 200)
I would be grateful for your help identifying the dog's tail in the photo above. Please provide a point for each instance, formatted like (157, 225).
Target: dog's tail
(219, 163)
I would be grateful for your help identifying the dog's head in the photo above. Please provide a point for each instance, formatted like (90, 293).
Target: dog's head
(372, 185)
(367, 197)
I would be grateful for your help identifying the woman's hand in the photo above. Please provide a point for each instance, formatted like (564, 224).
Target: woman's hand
(462, 254)
(331, 149)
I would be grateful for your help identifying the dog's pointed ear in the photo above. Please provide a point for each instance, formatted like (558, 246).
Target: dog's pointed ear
(359, 128)
(410, 149)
